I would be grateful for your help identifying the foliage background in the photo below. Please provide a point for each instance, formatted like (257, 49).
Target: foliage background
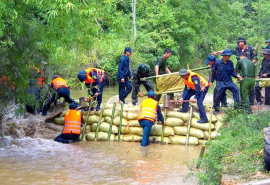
(73, 35)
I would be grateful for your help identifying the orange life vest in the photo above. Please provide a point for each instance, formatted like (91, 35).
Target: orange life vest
(73, 122)
(190, 84)
(41, 78)
(5, 81)
(59, 82)
(100, 75)
(148, 110)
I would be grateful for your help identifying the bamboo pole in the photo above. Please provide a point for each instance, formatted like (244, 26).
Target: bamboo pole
(85, 124)
(99, 120)
(189, 123)
(120, 124)
(163, 126)
(200, 157)
(110, 129)
(196, 69)
(210, 123)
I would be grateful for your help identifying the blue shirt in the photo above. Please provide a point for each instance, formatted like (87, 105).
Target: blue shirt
(159, 115)
(123, 68)
(196, 81)
(222, 71)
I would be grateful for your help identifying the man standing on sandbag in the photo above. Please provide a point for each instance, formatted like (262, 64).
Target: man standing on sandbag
(123, 75)
(95, 80)
(72, 127)
(141, 72)
(222, 72)
(150, 110)
(194, 85)
(210, 61)
(264, 73)
(246, 69)
(161, 68)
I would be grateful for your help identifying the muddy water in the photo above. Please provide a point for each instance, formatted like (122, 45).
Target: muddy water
(40, 161)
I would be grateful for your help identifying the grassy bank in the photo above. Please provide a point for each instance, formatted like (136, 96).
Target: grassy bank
(235, 153)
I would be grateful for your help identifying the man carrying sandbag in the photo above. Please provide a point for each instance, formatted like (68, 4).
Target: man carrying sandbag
(141, 72)
(72, 128)
(194, 85)
(150, 110)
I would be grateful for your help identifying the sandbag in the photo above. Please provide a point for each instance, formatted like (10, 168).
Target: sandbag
(104, 127)
(218, 125)
(107, 119)
(182, 115)
(193, 131)
(92, 119)
(174, 122)
(64, 113)
(220, 118)
(156, 130)
(107, 113)
(59, 120)
(182, 140)
(132, 130)
(201, 126)
(129, 138)
(116, 121)
(102, 136)
(88, 128)
(202, 141)
(134, 123)
(90, 113)
(213, 134)
(197, 116)
(130, 115)
(156, 139)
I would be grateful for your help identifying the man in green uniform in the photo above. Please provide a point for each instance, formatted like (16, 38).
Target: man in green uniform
(161, 66)
(246, 69)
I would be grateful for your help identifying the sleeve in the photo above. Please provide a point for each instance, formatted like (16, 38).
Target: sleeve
(253, 54)
(260, 73)
(97, 80)
(121, 68)
(237, 67)
(233, 73)
(196, 81)
(212, 74)
(159, 114)
(159, 62)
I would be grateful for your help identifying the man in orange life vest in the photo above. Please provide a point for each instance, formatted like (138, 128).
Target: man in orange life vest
(95, 80)
(150, 110)
(61, 90)
(72, 127)
(40, 77)
(194, 85)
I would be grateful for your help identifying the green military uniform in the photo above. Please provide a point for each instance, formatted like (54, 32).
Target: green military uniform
(162, 70)
(246, 69)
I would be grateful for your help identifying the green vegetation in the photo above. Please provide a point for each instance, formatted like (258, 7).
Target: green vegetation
(235, 151)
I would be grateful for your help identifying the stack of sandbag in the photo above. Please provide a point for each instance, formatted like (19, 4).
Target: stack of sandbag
(175, 129)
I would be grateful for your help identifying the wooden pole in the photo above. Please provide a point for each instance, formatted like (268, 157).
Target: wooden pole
(99, 120)
(189, 123)
(110, 129)
(86, 119)
(210, 123)
(120, 124)
(163, 126)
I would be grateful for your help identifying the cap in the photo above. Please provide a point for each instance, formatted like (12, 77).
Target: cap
(209, 59)
(128, 49)
(266, 51)
(56, 76)
(183, 72)
(82, 75)
(31, 81)
(73, 105)
(241, 39)
(150, 94)
(268, 40)
(227, 52)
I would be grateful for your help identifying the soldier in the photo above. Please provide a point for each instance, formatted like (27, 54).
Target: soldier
(141, 72)
(264, 73)
(267, 42)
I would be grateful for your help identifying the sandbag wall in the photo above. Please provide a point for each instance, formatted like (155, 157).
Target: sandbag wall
(175, 129)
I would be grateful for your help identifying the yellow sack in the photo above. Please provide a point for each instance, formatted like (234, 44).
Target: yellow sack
(92, 119)
(116, 121)
(102, 136)
(171, 82)
(129, 138)
(156, 130)
(130, 115)
(201, 126)
(59, 120)
(213, 134)
(182, 115)
(197, 116)
(182, 140)
(193, 131)
(107, 113)
(174, 122)
(134, 123)
(218, 125)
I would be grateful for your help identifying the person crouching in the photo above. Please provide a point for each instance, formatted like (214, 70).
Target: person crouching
(149, 111)
(72, 127)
